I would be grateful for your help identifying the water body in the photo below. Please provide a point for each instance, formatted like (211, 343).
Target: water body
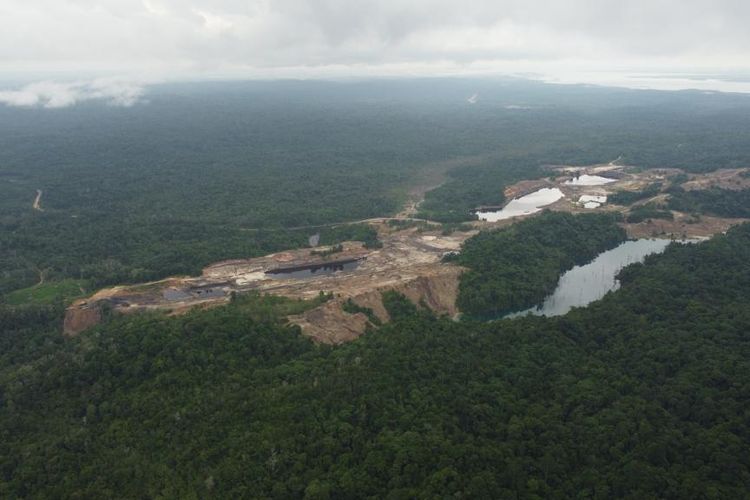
(529, 204)
(208, 292)
(589, 180)
(173, 294)
(313, 271)
(584, 284)
(176, 294)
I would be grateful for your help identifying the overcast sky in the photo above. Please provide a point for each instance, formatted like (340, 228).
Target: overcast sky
(564, 40)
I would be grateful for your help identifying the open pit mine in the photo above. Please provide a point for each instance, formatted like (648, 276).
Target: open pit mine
(408, 262)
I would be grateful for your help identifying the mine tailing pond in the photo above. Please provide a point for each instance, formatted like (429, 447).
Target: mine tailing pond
(312, 271)
(529, 204)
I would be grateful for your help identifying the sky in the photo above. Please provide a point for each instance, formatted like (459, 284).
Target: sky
(95, 48)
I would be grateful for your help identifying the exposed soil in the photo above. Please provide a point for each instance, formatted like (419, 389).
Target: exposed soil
(82, 317)
(409, 261)
(435, 287)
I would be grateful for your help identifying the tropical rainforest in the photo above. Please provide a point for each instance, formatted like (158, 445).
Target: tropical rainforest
(643, 394)
(640, 395)
(713, 201)
(208, 171)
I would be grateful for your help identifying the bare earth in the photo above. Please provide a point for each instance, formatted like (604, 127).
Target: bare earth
(408, 262)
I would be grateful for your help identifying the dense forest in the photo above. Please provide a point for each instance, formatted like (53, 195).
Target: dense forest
(648, 211)
(516, 268)
(641, 395)
(202, 172)
(713, 201)
(629, 197)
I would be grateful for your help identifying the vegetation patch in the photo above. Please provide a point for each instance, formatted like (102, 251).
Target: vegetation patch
(714, 201)
(647, 212)
(630, 197)
(353, 308)
(268, 307)
(328, 252)
(351, 232)
(63, 291)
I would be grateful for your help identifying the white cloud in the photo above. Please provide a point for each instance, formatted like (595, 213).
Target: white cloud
(50, 94)
(214, 24)
(357, 37)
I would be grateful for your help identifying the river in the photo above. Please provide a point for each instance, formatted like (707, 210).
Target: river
(584, 284)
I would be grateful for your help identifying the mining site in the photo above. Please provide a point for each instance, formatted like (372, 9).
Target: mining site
(409, 262)
(585, 189)
(410, 259)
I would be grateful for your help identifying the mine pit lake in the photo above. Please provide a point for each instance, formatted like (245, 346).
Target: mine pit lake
(584, 284)
(529, 204)
(177, 294)
(312, 271)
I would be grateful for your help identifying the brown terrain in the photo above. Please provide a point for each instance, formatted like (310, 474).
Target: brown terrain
(408, 262)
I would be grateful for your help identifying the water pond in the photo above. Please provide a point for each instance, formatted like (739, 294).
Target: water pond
(529, 204)
(589, 180)
(584, 284)
(178, 294)
(312, 271)
(174, 294)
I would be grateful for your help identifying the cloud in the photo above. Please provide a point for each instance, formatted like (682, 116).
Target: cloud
(299, 37)
(50, 94)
